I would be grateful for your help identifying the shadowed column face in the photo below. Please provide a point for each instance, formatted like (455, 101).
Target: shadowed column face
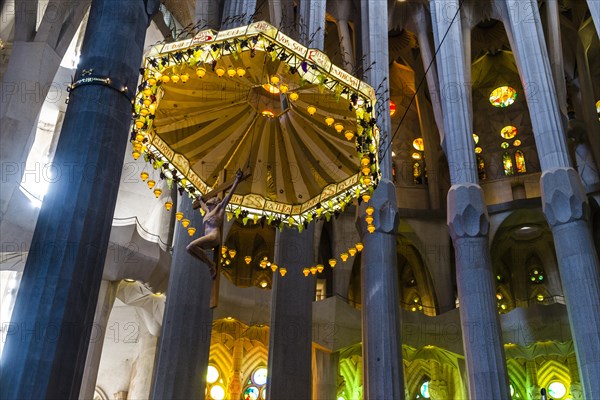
(54, 312)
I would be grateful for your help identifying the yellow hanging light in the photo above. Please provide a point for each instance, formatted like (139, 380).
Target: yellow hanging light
(147, 92)
(274, 80)
(152, 80)
(352, 251)
(248, 259)
(369, 219)
(232, 253)
(178, 215)
(344, 256)
(332, 262)
(144, 175)
(306, 271)
(168, 205)
(139, 123)
(329, 120)
(359, 246)
(338, 127)
(231, 72)
(135, 154)
(294, 96)
(367, 180)
(283, 271)
(139, 136)
(371, 228)
(147, 101)
(157, 192)
(349, 134)
(184, 77)
(366, 197)
(365, 160)
(175, 78)
(144, 112)
(151, 183)
(224, 250)
(366, 170)
(165, 79)
(191, 230)
(263, 263)
(273, 267)
(137, 146)
(241, 71)
(369, 210)
(313, 270)
(220, 71)
(311, 110)
(185, 222)
(200, 72)
(283, 88)
(320, 268)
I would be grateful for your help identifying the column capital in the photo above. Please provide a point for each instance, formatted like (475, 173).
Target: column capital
(385, 212)
(563, 197)
(467, 213)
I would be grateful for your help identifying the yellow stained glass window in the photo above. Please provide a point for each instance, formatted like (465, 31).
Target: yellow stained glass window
(478, 150)
(476, 138)
(508, 132)
(517, 143)
(503, 96)
(504, 145)
(418, 144)
(507, 163)
(520, 162)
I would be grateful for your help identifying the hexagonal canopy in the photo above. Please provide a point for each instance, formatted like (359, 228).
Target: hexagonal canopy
(253, 98)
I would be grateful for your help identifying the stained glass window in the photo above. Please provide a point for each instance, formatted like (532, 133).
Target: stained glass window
(520, 162)
(503, 96)
(481, 169)
(478, 150)
(476, 138)
(517, 143)
(508, 132)
(504, 145)
(557, 390)
(536, 275)
(215, 389)
(417, 173)
(256, 385)
(418, 144)
(424, 390)
(507, 162)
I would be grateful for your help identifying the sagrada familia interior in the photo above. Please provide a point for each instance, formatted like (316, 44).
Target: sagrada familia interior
(310, 199)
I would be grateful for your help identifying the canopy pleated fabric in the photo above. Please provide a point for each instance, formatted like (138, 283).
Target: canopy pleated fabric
(252, 99)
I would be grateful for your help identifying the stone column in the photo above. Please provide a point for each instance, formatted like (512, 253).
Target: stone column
(290, 340)
(382, 348)
(556, 55)
(311, 23)
(594, 6)
(106, 299)
(326, 373)
(346, 44)
(468, 221)
(236, 384)
(141, 371)
(184, 343)
(57, 299)
(564, 201)
(237, 13)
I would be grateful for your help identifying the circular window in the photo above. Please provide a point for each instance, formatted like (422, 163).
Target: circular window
(478, 150)
(517, 143)
(508, 132)
(476, 138)
(260, 376)
(264, 393)
(503, 96)
(251, 393)
(504, 145)
(217, 392)
(418, 144)
(425, 390)
(212, 374)
(557, 390)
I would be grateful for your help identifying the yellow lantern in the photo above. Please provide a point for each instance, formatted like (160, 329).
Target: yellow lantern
(349, 135)
(184, 77)
(144, 175)
(147, 101)
(248, 259)
(320, 268)
(329, 120)
(313, 270)
(294, 96)
(151, 80)
(273, 267)
(139, 123)
(139, 136)
(135, 154)
(369, 210)
(241, 71)
(359, 246)
(220, 71)
(178, 215)
(306, 271)
(200, 72)
(344, 256)
(283, 271)
(352, 251)
(366, 197)
(366, 170)
(191, 230)
(144, 111)
(371, 228)
(367, 180)
(147, 92)
(274, 80)
(365, 160)
(338, 127)
(137, 146)
(369, 219)
(157, 192)
(168, 205)
(165, 78)
(185, 222)
(152, 108)
(283, 88)
(224, 250)
(311, 110)
(231, 72)
(232, 253)
(151, 183)
(263, 263)
(332, 262)
(175, 78)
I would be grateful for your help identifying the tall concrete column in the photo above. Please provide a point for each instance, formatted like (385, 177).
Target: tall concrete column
(236, 383)
(290, 340)
(311, 23)
(237, 13)
(468, 220)
(556, 55)
(184, 344)
(564, 201)
(594, 6)
(142, 368)
(326, 374)
(382, 348)
(106, 300)
(55, 307)
(346, 47)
